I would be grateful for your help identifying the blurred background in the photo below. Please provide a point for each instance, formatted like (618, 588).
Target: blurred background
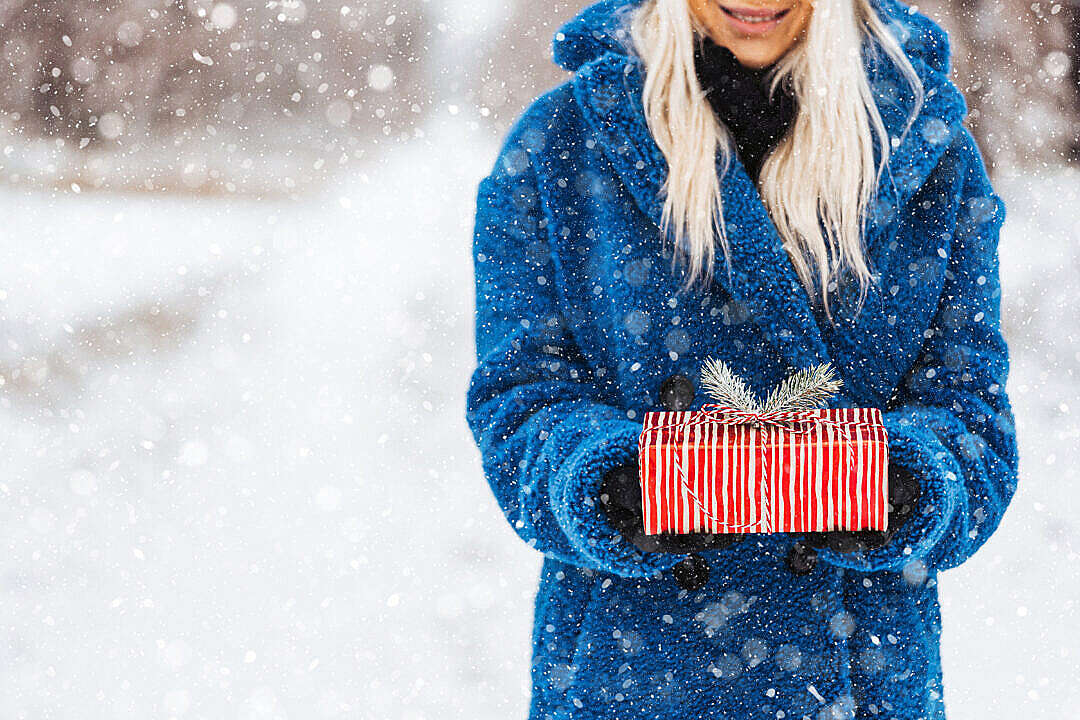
(236, 307)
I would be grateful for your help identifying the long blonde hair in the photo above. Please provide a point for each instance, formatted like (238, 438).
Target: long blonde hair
(817, 182)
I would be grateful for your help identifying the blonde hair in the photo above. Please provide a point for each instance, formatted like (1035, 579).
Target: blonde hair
(818, 180)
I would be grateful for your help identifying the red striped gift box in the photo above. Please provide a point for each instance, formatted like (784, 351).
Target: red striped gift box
(720, 469)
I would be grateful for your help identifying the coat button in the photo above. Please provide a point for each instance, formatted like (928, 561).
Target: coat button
(692, 573)
(676, 393)
(801, 558)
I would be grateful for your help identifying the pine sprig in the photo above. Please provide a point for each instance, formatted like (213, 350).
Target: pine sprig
(726, 387)
(804, 390)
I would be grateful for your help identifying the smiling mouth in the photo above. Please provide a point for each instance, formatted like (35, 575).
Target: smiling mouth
(755, 16)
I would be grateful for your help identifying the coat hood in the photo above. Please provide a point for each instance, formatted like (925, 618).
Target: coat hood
(604, 27)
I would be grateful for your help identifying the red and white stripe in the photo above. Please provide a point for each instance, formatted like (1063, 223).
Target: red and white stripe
(739, 478)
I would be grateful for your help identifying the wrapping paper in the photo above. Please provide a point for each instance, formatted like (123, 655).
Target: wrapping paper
(720, 470)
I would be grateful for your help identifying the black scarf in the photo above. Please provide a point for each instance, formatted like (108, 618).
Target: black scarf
(739, 97)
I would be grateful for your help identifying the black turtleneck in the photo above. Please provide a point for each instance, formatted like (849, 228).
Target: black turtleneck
(739, 97)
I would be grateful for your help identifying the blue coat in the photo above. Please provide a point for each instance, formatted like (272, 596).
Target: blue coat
(579, 321)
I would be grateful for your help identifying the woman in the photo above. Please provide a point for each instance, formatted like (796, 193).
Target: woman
(867, 237)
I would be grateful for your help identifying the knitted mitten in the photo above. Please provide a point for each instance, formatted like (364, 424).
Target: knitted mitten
(620, 496)
(904, 491)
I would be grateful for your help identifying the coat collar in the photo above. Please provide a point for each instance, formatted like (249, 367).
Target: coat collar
(608, 88)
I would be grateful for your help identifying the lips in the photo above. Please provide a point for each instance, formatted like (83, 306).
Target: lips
(753, 22)
(754, 15)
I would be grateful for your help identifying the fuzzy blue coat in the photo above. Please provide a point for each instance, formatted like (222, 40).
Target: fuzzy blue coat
(579, 320)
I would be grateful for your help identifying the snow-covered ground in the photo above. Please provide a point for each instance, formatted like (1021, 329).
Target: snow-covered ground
(237, 480)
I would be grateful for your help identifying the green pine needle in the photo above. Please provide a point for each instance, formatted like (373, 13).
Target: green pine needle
(726, 387)
(806, 389)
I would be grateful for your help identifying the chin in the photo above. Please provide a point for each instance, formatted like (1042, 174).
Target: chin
(754, 57)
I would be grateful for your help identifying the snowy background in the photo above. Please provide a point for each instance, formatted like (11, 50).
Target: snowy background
(237, 480)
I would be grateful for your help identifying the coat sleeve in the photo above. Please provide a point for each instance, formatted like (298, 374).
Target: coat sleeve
(534, 405)
(951, 424)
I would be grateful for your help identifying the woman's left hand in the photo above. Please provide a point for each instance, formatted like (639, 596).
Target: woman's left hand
(904, 492)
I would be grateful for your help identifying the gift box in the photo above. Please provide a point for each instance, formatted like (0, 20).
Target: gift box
(781, 466)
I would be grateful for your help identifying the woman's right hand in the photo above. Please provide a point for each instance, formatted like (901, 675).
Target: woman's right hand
(620, 496)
